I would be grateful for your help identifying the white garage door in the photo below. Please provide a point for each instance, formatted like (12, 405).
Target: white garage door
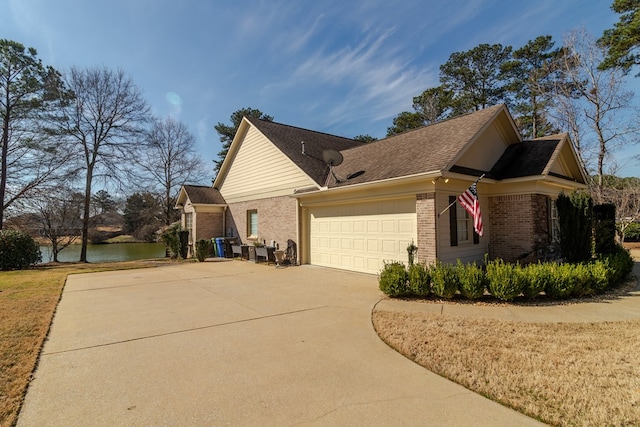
(360, 237)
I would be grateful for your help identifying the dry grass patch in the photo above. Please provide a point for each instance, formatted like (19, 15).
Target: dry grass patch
(28, 300)
(563, 374)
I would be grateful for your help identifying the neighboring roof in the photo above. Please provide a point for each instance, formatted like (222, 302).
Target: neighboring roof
(203, 195)
(430, 148)
(289, 140)
(528, 158)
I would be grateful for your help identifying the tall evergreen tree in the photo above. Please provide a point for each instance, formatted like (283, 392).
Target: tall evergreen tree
(623, 40)
(29, 95)
(532, 73)
(475, 77)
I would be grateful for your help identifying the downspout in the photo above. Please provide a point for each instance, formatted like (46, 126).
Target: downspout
(224, 221)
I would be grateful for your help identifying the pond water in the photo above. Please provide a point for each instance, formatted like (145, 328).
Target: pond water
(108, 252)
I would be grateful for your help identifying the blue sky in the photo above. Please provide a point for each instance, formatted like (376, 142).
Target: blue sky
(343, 67)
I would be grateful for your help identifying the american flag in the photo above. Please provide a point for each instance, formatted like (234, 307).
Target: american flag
(469, 200)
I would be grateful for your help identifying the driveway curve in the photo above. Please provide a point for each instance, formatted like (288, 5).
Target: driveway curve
(235, 343)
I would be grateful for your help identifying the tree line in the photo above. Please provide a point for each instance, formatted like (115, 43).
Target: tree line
(63, 134)
(576, 87)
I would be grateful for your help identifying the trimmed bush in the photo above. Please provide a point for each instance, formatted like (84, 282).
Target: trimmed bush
(444, 281)
(575, 215)
(620, 265)
(393, 279)
(600, 274)
(203, 247)
(561, 283)
(471, 279)
(604, 228)
(18, 250)
(535, 277)
(419, 280)
(505, 280)
(183, 237)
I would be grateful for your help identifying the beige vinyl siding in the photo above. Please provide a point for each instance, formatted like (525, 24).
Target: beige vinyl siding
(485, 151)
(260, 170)
(465, 251)
(362, 236)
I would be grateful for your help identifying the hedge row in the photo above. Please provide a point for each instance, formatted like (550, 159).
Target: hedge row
(506, 281)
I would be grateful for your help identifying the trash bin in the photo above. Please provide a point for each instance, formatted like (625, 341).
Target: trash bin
(220, 247)
(214, 251)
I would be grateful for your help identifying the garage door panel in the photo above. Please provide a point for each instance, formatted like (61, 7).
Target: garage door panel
(362, 236)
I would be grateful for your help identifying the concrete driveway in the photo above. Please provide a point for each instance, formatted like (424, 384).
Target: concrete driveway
(234, 343)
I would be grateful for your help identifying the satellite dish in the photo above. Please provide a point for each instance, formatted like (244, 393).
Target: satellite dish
(332, 157)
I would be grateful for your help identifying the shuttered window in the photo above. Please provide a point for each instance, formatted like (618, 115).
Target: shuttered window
(460, 224)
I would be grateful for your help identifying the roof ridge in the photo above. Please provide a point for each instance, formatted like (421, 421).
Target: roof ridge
(448, 119)
(253, 119)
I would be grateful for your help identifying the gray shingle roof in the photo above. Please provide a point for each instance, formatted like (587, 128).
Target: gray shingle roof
(430, 148)
(288, 139)
(529, 158)
(199, 194)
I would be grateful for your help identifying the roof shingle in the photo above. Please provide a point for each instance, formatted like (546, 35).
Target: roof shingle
(200, 194)
(289, 140)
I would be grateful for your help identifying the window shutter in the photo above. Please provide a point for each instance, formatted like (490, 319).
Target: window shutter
(476, 237)
(453, 221)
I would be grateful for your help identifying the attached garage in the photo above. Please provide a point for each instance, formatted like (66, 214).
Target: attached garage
(361, 236)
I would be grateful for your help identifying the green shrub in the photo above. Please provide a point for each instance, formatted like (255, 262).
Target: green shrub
(419, 280)
(583, 283)
(575, 217)
(203, 247)
(620, 265)
(604, 228)
(17, 250)
(535, 279)
(170, 238)
(471, 279)
(393, 279)
(444, 281)
(561, 283)
(505, 280)
(632, 232)
(183, 237)
(600, 274)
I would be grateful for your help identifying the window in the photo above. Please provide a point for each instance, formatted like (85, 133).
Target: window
(554, 222)
(252, 223)
(188, 224)
(463, 220)
(460, 224)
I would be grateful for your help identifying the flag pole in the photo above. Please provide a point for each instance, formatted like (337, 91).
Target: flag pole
(454, 202)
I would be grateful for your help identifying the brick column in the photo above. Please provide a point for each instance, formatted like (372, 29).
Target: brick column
(427, 227)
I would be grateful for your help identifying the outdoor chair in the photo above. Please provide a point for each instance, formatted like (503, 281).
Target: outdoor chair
(236, 250)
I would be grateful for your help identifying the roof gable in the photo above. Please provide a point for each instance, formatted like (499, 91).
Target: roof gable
(199, 195)
(550, 155)
(289, 140)
(432, 148)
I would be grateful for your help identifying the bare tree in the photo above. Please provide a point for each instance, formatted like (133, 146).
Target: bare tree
(624, 194)
(170, 160)
(60, 218)
(595, 106)
(106, 123)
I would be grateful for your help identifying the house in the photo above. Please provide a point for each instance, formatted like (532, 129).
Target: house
(353, 206)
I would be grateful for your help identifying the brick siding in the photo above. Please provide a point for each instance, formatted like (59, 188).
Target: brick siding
(519, 226)
(276, 220)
